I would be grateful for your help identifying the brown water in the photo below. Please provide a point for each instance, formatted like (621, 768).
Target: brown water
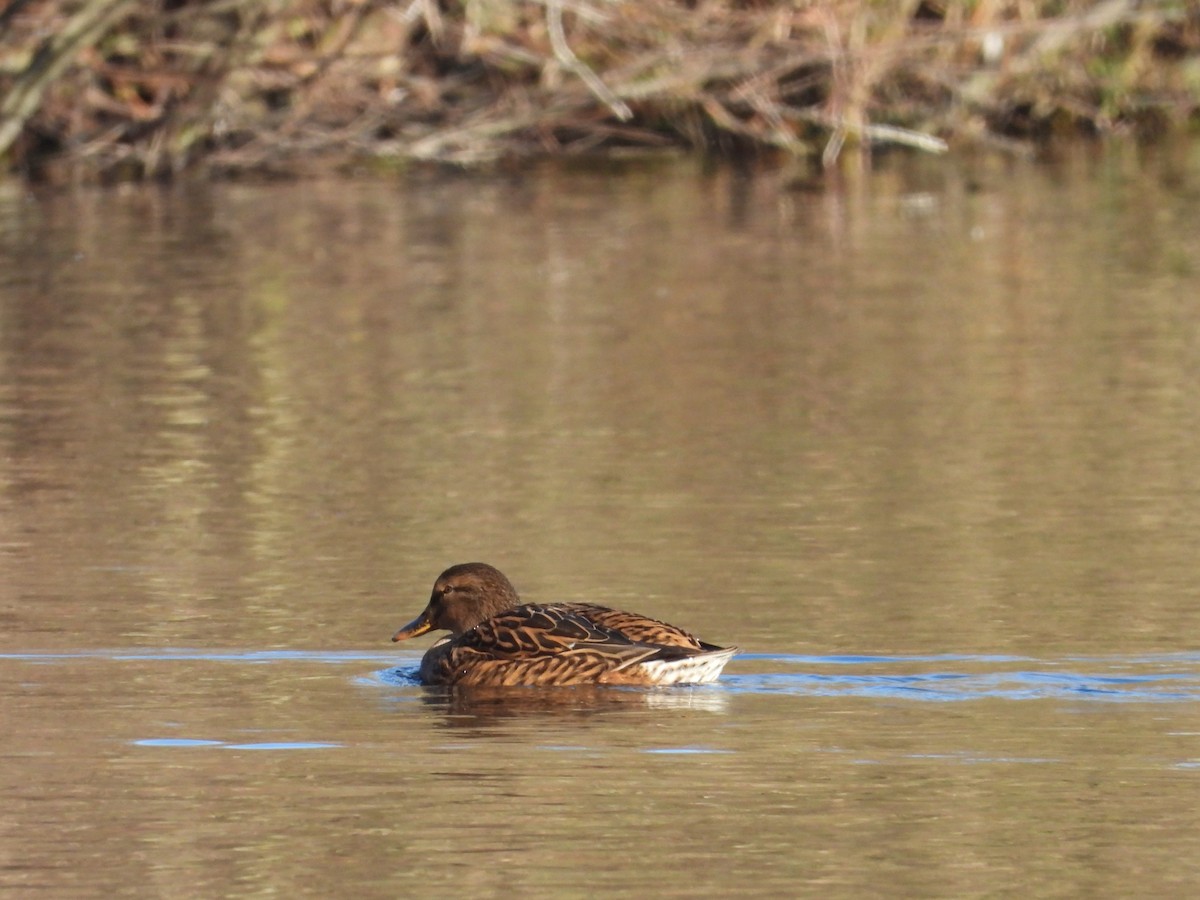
(923, 445)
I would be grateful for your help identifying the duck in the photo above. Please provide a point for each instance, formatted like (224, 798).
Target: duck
(496, 640)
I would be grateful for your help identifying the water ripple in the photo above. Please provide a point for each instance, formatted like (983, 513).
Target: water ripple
(1148, 678)
(948, 677)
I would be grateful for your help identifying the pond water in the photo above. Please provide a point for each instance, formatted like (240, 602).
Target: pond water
(922, 443)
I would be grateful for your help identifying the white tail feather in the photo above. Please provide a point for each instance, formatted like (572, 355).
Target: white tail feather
(700, 669)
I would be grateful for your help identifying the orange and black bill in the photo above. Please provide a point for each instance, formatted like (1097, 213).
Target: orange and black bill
(419, 625)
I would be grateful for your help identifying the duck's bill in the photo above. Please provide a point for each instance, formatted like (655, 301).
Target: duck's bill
(419, 625)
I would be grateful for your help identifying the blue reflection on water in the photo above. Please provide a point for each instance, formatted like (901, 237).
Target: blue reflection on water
(1168, 678)
(258, 745)
(283, 745)
(1155, 678)
(196, 655)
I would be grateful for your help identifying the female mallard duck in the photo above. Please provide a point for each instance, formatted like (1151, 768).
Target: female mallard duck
(498, 641)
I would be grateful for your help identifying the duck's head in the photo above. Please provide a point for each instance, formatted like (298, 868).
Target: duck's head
(463, 596)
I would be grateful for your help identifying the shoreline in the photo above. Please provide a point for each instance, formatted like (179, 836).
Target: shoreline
(117, 90)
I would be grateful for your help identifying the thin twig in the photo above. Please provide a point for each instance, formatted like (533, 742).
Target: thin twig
(886, 134)
(565, 55)
(52, 58)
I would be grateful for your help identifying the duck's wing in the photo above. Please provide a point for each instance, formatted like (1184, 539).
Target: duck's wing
(551, 644)
(639, 628)
(536, 629)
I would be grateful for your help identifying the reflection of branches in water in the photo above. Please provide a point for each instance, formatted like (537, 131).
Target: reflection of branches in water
(468, 707)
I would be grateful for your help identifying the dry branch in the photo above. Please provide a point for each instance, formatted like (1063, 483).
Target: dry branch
(266, 84)
(50, 60)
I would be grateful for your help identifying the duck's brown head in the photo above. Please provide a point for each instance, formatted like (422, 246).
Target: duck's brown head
(463, 596)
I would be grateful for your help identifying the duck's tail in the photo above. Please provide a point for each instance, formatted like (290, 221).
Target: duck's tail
(693, 668)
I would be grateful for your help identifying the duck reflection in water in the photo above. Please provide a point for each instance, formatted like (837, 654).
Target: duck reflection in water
(497, 641)
(469, 706)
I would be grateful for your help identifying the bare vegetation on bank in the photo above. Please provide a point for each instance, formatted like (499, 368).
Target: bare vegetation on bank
(137, 88)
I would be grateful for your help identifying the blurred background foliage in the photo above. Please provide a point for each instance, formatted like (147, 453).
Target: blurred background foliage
(131, 89)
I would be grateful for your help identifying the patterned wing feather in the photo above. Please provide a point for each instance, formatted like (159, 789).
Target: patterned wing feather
(559, 644)
(541, 630)
(638, 627)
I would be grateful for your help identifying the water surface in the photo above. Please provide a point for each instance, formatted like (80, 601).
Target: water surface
(921, 444)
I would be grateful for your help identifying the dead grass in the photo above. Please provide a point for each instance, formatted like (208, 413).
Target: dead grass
(145, 90)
